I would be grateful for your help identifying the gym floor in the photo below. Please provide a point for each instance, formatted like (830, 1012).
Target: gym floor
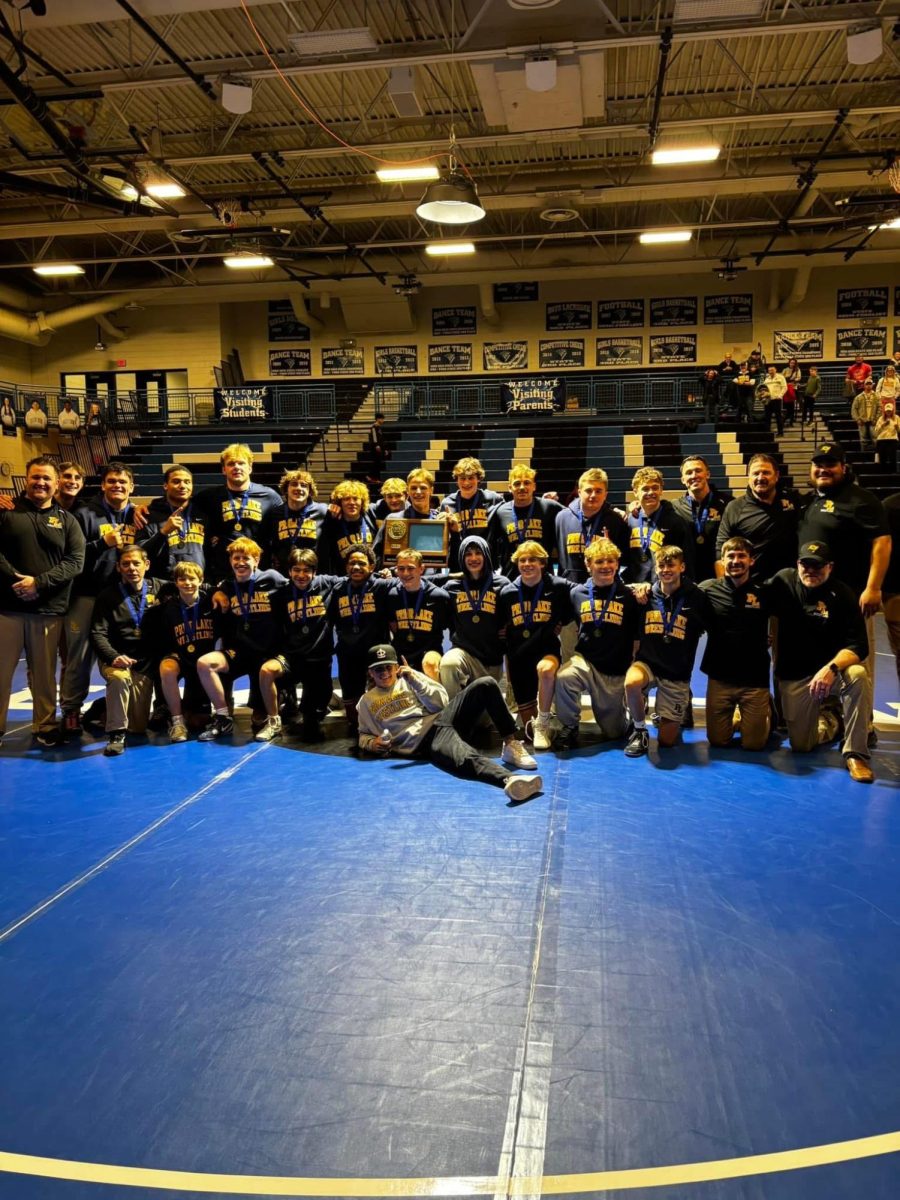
(245, 969)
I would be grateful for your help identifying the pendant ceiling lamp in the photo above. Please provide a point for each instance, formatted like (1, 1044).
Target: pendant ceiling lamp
(452, 199)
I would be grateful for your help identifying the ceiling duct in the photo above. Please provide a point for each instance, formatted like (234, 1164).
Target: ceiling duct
(402, 91)
(699, 12)
(326, 43)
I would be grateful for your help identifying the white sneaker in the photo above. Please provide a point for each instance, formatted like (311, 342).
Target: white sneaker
(523, 787)
(542, 732)
(178, 731)
(515, 755)
(271, 729)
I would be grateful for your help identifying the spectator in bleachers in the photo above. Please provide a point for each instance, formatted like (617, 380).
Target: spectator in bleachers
(176, 528)
(857, 374)
(888, 387)
(793, 375)
(775, 386)
(756, 361)
(727, 372)
(886, 433)
(296, 523)
(653, 523)
(347, 523)
(865, 411)
(702, 507)
(589, 516)
(469, 506)
(744, 390)
(378, 452)
(525, 518)
(237, 508)
(811, 394)
(709, 390)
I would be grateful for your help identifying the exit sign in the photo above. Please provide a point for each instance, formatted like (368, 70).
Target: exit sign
(121, 362)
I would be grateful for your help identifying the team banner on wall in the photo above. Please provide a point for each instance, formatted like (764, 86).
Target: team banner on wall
(897, 339)
(862, 302)
(542, 394)
(283, 323)
(340, 360)
(620, 314)
(297, 361)
(673, 310)
(449, 321)
(897, 301)
(563, 352)
(449, 357)
(242, 404)
(681, 349)
(620, 351)
(7, 414)
(728, 310)
(798, 343)
(396, 360)
(575, 314)
(515, 293)
(505, 356)
(868, 339)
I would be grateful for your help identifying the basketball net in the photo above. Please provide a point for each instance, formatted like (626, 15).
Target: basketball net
(894, 174)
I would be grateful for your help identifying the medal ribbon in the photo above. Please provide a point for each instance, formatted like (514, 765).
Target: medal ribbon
(420, 596)
(701, 514)
(356, 604)
(588, 528)
(528, 617)
(651, 529)
(190, 626)
(238, 513)
(137, 614)
(604, 607)
(182, 534)
(363, 535)
(476, 608)
(299, 528)
(669, 618)
(116, 518)
(522, 524)
(297, 594)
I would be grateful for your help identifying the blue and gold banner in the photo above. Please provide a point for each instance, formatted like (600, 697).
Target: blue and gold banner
(505, 356)
(673, 310)
(866, 339)
(450, 321)
(728, 310)
(448, 357)
(542, 394)
(340, 360)
(680, 349)
(396, 360)
(620, 314)
(572, 314)
(296, 361)
(284, 325)
(862, 302)
(620, 351)
(563, 352)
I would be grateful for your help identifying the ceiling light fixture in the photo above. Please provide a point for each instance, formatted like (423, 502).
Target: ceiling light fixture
(659, 237)
(436, 249)
(895, 224)
(247, 260)
(165, 189)
(58, 270)
(453, 199)
(407, 174)
(679, 155)
(119, 185)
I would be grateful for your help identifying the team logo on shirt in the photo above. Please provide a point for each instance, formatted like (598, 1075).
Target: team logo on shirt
(786, 505)
(54, 523)
(828, 506)
(821, 610)
(751, 600)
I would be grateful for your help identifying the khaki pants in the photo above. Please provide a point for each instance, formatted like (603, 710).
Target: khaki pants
(38, 636)
(128, 698)
(801, 710)
(752, 703)
(458, 669)
(607, 693)
(76, 679)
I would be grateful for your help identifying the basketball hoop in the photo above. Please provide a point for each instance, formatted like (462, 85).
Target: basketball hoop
(894, 174)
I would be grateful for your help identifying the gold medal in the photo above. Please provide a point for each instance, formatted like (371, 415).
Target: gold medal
(191, 648)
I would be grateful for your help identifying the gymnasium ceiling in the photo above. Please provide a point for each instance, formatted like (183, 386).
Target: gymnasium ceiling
(132, 87)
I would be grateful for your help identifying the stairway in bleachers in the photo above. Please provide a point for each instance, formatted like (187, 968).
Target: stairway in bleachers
(872, 475)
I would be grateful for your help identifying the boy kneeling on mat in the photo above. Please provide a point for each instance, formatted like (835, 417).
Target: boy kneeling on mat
(408, 713)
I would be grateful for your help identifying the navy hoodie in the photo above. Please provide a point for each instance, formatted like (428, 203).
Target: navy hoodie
(476, 624)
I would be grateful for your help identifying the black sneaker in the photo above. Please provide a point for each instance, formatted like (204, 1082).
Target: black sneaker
(567, 738)
(70, 725)
(872, 739)
(116, 744)
(638, 743)
(159, 719)
(48, 738)
(310, 731)
(218, 727)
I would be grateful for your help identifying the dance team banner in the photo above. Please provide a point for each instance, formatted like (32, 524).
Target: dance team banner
(340, 360)
(461, 319)
(728, 310)
(449, 357)
(798, 343)
(867, 339)
(297, 361)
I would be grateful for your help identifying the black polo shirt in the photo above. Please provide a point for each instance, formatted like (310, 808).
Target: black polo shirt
(771, 529)
(737, 648)
(848, 519)
(814, 624)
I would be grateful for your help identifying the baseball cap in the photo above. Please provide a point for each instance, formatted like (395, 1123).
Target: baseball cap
(815, 552)
(382, 656)
(832, 450)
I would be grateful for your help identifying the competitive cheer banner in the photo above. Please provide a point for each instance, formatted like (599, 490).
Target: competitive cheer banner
(562, 352)
(283, 323)
(542, 394)
(242, 404)
(505, 356)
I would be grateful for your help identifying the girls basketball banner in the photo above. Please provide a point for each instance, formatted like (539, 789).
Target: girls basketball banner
(673, 310)
(867, 339)
(572, 315)
(448, 357)
(297, 361)
(505, 356)
(396, 360)
(681, 349)
(283, 323)
(728, 310)
(620, 352)
(862, 302)
(798, 343)
(565, 352)
(620, 314)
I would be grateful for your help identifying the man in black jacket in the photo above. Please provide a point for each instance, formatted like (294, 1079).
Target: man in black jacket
(41, 552)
